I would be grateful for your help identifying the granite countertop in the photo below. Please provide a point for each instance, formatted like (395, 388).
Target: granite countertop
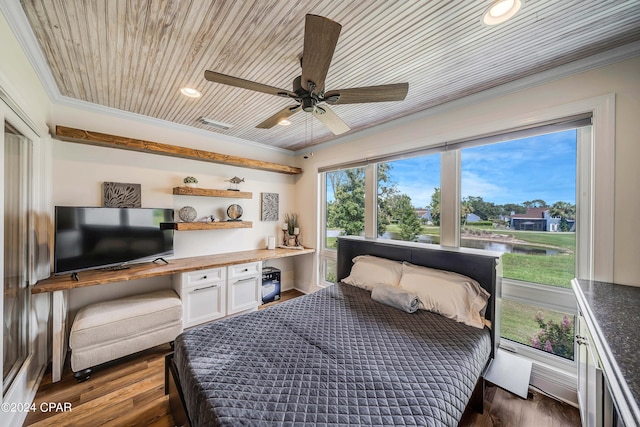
(615, 309)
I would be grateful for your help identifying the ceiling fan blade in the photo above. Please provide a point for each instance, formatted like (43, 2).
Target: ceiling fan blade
(320, 39)
(285, 113)
(212, 76)
(330, 119)
(382, 93)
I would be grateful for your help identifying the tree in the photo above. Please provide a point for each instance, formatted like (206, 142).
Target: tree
(466, 208)
(537, 203)
(563, 210)
(347, 211)
(506, 209)
(335, 179)
(435, 206)
(485, 210)
(408, 222)
(386, 191)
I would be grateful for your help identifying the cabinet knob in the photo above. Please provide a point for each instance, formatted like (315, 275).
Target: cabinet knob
(204, 277)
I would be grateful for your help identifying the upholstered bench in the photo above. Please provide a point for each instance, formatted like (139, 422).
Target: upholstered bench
(109, 330)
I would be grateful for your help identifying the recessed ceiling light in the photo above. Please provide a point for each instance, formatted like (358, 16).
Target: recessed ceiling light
(501, 11)
(284, 122)
(191, 93)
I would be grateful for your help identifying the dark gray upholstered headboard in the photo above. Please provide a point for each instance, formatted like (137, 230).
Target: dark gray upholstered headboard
(483, 266)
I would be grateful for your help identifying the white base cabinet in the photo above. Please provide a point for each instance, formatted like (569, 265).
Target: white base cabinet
(243, 287)
(590, 378)
(218, 292)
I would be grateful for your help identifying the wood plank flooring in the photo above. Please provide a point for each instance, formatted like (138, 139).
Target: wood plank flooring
(130, 392)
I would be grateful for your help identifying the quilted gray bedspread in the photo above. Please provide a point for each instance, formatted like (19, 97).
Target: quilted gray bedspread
(332, 358)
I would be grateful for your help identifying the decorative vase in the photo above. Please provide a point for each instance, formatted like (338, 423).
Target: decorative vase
(191, 184)
(187, 214)
(292, 241)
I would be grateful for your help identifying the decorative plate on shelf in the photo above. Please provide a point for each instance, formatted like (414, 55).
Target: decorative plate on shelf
(187, 214)
(234, 212)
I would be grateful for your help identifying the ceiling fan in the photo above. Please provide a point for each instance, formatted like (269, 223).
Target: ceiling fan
(320, 39)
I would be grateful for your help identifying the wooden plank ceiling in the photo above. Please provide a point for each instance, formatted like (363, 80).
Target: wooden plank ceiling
(135, 55)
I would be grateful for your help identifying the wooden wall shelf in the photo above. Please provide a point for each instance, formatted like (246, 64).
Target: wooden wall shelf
(114, 141)
(210, 192)
(222, 225)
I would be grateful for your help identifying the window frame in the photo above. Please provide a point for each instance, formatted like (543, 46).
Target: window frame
(594, 235)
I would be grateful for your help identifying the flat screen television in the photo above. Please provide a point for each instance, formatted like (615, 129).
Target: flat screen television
(89, 238)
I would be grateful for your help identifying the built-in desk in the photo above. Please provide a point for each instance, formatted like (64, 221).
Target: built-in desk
(60, 285)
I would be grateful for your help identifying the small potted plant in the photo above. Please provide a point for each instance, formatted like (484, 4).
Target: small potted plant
(190, 181)
(292, 228)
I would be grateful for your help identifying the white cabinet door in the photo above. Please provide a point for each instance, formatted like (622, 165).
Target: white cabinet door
(581, 359)
(590, 379)
(203, 294)
(243, 294)
(203, 303)
(243, 287)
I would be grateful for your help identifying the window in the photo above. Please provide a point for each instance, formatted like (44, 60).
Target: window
(345, 204)
(409, 199)
(343, 214)
(16, 300)
(519, 198)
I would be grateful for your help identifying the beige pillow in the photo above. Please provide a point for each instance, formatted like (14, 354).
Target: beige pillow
(369, 271)
(450, 294)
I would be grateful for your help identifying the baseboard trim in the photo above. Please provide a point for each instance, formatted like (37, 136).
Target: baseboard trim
(555, 383)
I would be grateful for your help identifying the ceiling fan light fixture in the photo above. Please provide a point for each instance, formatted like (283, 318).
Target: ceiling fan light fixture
(501, 11)
(190, 92)
(284, 122)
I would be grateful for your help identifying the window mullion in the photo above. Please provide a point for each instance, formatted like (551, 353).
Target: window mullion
(450, 198)
(370, 201)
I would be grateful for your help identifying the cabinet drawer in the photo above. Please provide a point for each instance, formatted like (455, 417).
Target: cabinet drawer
(244, 270)
(196, 278)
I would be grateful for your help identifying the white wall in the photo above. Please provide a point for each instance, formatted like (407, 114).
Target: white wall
(477, 115)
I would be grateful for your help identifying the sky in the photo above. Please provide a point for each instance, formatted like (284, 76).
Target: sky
(541, 167)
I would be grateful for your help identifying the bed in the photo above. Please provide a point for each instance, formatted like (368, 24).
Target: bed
(336, 357)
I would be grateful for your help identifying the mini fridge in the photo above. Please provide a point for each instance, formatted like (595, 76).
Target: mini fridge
(270, 284)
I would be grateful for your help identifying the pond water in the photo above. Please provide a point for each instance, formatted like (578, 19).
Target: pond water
(489, 245)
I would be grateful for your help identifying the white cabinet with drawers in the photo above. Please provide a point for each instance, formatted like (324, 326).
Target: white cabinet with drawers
(243, 287)
(203, 294)
(218, 292)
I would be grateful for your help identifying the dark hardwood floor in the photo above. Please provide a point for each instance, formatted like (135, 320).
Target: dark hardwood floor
(130, 392)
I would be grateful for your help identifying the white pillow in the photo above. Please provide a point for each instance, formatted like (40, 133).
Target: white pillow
(450, 294)
(369, 271)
